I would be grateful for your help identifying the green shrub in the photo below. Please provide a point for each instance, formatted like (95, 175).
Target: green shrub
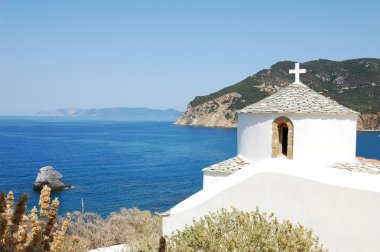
(242, 231)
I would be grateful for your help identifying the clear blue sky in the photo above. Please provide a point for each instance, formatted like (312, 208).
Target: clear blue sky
(160, 54)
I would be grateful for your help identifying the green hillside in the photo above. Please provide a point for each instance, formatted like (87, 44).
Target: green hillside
(353, 83)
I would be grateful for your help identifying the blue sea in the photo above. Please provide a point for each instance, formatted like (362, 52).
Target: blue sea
(118, 163)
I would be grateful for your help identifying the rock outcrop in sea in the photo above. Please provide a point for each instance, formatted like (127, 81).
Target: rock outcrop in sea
(50, 177)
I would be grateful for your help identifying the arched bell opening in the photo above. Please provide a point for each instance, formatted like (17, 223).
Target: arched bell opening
(282, 137)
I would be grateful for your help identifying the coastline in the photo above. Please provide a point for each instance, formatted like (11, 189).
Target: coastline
(203, 126)
(221, 127)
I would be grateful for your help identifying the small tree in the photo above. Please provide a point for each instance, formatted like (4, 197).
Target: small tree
(21, 232)
(242, 231)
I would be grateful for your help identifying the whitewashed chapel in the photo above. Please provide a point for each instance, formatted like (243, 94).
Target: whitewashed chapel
(296, 158)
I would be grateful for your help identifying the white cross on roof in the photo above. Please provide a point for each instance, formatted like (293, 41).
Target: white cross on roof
(297, 71)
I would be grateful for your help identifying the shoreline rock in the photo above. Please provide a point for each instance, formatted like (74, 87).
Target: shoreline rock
(218, 112)
(50, 177)
(369, 121)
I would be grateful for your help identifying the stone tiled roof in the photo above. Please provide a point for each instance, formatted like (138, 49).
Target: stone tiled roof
(228, 166)
(297, 98)
(362, 165)
(235, 164)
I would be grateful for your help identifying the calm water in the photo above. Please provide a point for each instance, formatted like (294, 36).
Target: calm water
(115, 164)
(112, 164)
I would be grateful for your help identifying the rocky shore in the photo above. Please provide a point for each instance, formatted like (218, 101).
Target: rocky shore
(369, 121)
(215, 113)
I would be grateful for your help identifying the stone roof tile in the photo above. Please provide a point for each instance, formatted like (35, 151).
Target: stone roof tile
(235, 164)
(228, 166)
(297, 98)
(362, 165)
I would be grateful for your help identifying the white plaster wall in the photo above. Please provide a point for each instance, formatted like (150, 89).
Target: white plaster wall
(342, 207)
(254, 136)
(320, 137)
(327, 138)
(210, 178)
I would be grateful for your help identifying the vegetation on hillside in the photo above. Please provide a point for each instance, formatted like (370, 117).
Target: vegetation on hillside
(245, 87)
(353, 83)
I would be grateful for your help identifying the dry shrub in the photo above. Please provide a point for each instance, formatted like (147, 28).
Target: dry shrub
(138, 229)
(31, 233)
(242, 231)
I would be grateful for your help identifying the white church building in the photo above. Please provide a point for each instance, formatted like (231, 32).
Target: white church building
(296, 158)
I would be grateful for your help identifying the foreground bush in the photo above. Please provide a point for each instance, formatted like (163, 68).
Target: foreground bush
(21, 232)
(138, 229)
(241, 231)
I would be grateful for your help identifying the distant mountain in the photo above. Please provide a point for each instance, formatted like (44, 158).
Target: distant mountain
(353, 83)
(122, 112)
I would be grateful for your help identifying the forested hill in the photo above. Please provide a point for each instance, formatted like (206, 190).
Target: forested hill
(353, 83)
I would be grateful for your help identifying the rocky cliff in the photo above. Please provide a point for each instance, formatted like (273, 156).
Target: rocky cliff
(218, 112)
(353, 83)
(369, 121)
